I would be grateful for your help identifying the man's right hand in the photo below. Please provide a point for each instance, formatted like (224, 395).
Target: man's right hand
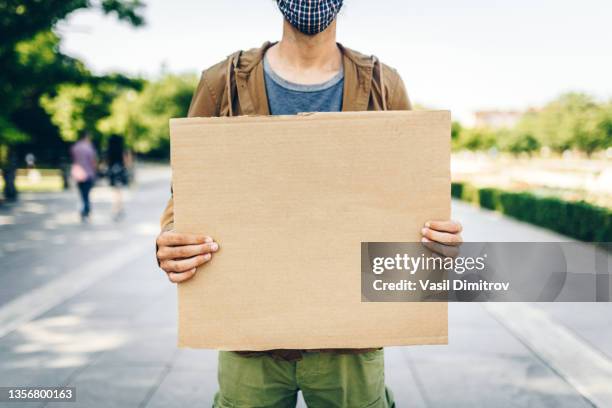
(180, 254)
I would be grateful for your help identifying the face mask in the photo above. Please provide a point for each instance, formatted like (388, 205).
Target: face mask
(310, 16)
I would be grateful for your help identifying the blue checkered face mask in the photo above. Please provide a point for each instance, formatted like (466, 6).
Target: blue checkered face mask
(310, 16)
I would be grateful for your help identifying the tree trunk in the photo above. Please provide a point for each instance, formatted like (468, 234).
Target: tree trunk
(66, 175)
(9, 172)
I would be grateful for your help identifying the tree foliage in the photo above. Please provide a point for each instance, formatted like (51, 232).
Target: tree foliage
(33, 65)
(36, 67)
(475, 139)
(74, 108)
(142, 117)
(572, 121)
(22, 19)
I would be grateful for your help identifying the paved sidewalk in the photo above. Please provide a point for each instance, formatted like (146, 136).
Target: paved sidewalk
(113, 336)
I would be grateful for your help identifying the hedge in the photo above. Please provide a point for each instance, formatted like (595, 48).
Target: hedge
(580, 220)
(489, 198)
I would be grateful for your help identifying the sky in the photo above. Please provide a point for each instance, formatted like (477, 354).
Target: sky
(462, 55)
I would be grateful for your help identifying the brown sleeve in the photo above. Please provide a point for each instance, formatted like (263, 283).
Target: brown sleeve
(203, 104)
(167, 218)
(398, 96)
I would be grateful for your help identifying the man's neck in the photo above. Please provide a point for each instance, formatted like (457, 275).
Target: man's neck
(306, 59)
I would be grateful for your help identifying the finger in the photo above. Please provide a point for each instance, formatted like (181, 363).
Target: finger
(183, 265)
(442, 237)
(445, 226)
(437, 248)
(171, 238)
(185, 251)
(181, 277)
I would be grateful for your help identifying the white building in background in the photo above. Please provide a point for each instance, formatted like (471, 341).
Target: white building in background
(496, 119)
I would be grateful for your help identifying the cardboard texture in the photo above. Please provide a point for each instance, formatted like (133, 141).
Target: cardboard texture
(290, 199)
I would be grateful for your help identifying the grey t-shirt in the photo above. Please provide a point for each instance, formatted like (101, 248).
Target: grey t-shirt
(288, 98)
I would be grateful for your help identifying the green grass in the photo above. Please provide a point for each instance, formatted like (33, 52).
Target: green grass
(50, 181)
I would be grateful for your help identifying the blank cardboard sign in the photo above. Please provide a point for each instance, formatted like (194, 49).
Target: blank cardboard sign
(290, 199)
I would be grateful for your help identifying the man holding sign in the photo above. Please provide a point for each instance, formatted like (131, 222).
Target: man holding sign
(307, 71)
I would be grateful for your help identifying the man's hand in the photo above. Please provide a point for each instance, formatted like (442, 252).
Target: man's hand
(442, 237)
(180, 254)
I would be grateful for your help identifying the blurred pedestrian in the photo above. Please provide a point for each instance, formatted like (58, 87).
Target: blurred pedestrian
(30, 160)
(34, 176)
(84, 164)
(117, 160)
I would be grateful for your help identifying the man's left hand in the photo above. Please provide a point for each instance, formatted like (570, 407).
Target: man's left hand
(442, 237)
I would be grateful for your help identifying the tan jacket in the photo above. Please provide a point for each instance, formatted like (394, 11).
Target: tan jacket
(240, 79)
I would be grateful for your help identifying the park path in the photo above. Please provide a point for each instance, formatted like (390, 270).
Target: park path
(95, 313)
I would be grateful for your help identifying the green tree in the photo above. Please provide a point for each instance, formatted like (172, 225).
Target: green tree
(37, 67)
(75, 108)
(456, 129)
(142, 117)
(604, 125)
(476, 139)
(29, 50)
(517, 141)
(33, 65)
(22, 19)
(573, 120)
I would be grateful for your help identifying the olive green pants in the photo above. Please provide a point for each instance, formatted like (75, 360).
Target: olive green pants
(326, 380)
